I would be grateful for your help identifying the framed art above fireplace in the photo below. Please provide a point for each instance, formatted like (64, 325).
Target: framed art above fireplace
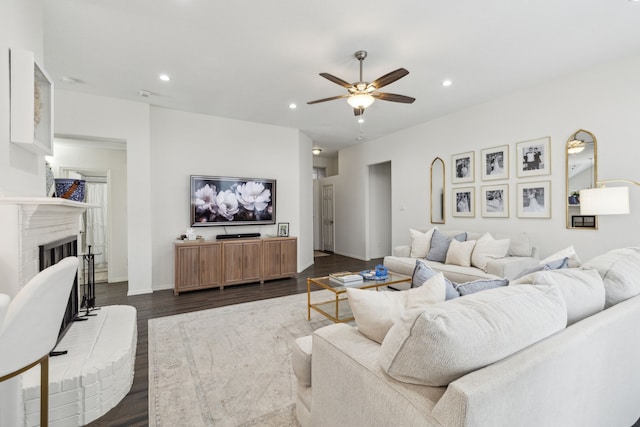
(31, 103)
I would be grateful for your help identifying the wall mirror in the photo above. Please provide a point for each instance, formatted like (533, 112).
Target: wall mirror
(582, 173)
(437, 191)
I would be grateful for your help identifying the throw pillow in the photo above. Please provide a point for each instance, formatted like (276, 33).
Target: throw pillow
(420, 242)
(582, 290)
(520, 245)
(459, 253)
(620, 270)
(440, 343)
(375, 312)
(488, 248)
(440, 245)
(422, 272)
(480, 285)
(525, 277)
(569, 252)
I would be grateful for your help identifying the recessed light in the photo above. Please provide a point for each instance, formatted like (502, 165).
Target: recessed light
(293, 106)
(70, 80)
(165, 77)
(447, 83)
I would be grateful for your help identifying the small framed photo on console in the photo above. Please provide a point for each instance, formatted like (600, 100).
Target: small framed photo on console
(283, 229)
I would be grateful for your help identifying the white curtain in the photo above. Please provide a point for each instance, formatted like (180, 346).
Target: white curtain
(96, 226)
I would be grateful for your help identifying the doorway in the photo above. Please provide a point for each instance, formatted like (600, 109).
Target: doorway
(103, 165)
(327, 218)
(94, 224)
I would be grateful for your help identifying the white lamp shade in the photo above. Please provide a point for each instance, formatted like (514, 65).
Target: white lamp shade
(604, 201)
(360, 100)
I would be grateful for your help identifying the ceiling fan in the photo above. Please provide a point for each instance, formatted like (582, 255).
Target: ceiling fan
(362, 94)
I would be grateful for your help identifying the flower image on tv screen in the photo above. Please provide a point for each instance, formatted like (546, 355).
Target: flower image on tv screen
(232, 201)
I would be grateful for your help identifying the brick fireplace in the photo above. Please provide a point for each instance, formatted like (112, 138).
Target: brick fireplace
(97, 371)
(27, 223)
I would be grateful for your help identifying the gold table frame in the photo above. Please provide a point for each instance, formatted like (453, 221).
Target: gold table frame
(340, 302)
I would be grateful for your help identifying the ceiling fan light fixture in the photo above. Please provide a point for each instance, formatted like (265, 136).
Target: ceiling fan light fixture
(576, 146)
(360, 100)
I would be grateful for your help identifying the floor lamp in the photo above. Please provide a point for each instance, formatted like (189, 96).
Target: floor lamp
(604, 200)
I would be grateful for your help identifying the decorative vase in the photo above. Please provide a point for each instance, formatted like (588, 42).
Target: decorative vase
(72, 189)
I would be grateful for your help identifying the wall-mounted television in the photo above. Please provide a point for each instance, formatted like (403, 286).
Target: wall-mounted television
(217, 200)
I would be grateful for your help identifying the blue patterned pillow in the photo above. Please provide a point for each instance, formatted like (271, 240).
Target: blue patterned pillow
(422, 272)
(440, 245)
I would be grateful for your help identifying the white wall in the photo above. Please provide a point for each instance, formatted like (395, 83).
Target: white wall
(83, 115)
(379, 212)
(187, 144)
(329, 163)
(21, 172)
(305, 202)
(92, 155)
(604, 100)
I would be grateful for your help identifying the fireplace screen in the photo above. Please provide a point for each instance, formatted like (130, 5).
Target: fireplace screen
(52, 253)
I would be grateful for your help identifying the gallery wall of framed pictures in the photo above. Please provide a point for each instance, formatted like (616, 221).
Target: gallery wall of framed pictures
(531, 159)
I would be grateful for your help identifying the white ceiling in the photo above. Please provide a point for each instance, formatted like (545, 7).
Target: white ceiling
(249, 60)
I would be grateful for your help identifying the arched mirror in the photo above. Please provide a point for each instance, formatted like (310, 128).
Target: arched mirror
(437, 191)
(582, 173)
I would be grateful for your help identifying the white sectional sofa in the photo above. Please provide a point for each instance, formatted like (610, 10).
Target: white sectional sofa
(584, 374)
(520, 256)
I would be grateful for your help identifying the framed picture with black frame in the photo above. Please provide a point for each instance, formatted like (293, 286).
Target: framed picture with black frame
(283, 229)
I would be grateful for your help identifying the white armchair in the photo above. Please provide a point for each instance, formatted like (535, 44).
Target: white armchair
(30, 323)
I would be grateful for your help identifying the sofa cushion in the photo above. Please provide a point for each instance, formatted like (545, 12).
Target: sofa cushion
(422, 272)
(437, 344)
(620, 272)
(420, 242)
(440, 245)
(569, 253)
(375, 312)
(459, 253)
(488, 248)
(479, 285)
(582, 290)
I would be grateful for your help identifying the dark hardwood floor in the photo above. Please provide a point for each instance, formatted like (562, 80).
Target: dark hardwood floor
(133, 410)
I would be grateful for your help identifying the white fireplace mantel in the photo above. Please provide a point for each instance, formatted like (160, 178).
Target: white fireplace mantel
(41, 211)
(26, 223)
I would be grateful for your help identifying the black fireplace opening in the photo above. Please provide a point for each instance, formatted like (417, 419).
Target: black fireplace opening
(52, 253)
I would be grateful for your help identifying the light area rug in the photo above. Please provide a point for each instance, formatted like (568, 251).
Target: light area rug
(317, 254)
(228, 366)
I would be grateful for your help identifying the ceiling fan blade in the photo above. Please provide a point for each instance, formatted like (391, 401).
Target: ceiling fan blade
(337, 80)
(358, 111)
(389, 78)
(393, 97)
(327, 99)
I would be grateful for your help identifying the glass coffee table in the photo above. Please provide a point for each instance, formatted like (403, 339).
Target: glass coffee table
(337, 309)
